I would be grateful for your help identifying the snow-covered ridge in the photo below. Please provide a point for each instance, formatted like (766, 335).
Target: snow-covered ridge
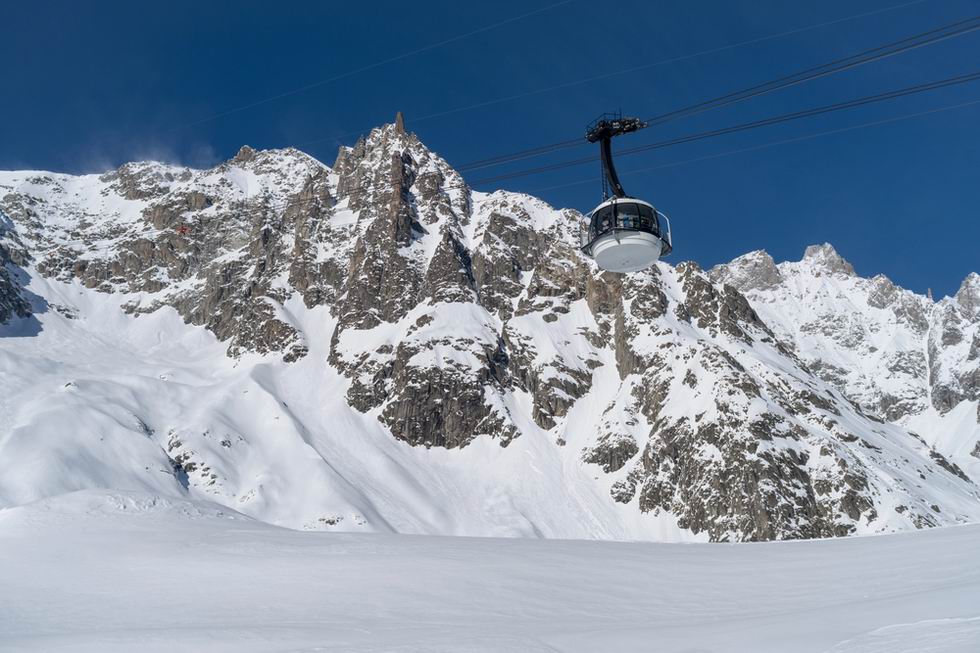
(900, 355)
(371, 346)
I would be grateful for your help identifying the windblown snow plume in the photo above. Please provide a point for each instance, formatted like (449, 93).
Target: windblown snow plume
(373, 346)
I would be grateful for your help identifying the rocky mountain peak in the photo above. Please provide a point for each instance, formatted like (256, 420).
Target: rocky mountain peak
(245, 154)
(394, 134)
(882, 291)
(824, 257)
(753, 271)
(895, 352)
(968, 296)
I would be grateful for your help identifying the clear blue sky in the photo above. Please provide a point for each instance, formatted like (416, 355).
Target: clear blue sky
(87, 86)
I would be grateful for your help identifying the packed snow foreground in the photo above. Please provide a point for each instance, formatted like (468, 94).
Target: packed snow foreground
(114, 572)
(192, 359)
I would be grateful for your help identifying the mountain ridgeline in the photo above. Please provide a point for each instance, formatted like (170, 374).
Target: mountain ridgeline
(511, 380)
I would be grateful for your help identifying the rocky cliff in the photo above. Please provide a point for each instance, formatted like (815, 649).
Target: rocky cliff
(13, 303)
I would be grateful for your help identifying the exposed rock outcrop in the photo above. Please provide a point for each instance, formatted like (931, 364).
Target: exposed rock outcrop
(13, 303)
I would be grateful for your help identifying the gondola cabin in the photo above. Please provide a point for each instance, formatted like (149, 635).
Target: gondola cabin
(623, 234)
(626, 235)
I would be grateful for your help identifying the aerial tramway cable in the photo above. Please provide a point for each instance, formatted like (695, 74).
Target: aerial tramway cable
(782, 118)
(626, 234)
(753, 148)
(376, 64)
(624, 71)
(874, 54)
(787, 117)
(878, 53)
(846, 63)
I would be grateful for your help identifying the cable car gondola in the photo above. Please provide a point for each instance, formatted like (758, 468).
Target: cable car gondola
(624, 234)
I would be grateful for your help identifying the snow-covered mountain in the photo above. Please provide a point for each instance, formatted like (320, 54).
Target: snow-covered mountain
(375, 346)
(899, 355)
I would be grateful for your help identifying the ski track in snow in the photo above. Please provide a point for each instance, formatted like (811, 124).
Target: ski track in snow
(152, 574)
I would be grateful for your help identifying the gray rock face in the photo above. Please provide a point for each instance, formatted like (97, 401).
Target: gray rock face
(719, 464)
(194, 240)
(409, 263)
(968, 297)
(429, 255)
(456, 315)
(954, 351)
(12, 300)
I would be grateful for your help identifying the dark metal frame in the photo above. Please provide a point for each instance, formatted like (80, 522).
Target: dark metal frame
(602, 130)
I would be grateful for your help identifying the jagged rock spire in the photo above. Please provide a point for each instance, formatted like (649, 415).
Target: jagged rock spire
(399, 123)
(245, 154)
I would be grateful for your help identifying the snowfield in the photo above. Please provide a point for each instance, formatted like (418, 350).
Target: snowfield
(113, 571)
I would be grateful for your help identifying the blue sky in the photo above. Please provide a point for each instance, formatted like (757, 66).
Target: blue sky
(89, 86)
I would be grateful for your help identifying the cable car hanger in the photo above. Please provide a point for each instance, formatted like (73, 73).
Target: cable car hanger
(624, 234)
(602, 130)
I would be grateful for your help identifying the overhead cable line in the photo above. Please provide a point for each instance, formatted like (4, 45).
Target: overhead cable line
(674, 164)
(846, 63)
(624, 71)
(753, 148)
(773, 120)
(928, 37)
(755, 124)
(377, 64)
(787, 117)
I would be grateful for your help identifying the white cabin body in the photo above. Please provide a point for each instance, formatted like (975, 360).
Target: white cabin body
(626, 235)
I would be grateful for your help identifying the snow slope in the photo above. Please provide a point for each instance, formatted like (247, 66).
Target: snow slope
(148, 574)
(104, 400)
